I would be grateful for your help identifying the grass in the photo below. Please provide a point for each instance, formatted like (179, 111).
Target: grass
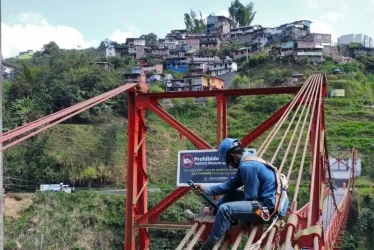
(74, 221)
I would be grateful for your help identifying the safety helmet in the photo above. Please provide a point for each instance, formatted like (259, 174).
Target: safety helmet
(225, 146)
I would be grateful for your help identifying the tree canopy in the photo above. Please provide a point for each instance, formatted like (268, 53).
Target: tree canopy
(150, 39)
(194, 25)
(240, 14)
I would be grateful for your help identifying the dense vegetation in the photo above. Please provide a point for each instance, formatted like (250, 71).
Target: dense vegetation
(90, 149)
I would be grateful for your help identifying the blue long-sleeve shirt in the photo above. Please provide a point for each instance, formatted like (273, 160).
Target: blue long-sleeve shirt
(259, 183)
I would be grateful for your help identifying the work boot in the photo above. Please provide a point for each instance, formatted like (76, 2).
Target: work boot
(209, 244)
(189, 215)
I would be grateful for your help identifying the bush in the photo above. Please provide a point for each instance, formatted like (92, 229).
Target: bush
(275, 77)
(11, 246)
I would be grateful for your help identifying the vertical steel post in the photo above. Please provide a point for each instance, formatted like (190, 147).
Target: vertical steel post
(219, 118)
(133, 121)
(224, 114)
(142, 181)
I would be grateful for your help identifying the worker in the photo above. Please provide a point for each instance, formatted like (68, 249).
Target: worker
(260, 186)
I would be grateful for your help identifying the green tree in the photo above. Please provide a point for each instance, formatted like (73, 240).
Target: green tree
(194, 25)
(150, 39)
(228, 48)
(240, 14)
(89, 174)
(207, 52)
(276, 77)
(239, 82)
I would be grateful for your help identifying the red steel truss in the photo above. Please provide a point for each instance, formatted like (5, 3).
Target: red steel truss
(138, 216)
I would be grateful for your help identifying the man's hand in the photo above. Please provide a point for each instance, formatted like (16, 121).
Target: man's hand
(199, 189)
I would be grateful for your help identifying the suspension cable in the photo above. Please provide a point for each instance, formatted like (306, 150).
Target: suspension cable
(294, 201)
(276, 128)
(301, 130)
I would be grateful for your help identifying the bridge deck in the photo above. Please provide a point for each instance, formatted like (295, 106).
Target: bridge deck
(328, 207)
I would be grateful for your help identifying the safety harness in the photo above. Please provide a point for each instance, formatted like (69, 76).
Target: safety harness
(281, 192)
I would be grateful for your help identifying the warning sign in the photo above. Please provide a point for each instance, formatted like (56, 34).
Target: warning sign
(203, 167)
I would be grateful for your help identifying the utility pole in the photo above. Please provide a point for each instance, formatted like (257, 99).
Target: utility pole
(247, 54)
(1, 145)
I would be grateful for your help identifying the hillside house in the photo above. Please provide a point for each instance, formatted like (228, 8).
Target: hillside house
(362, 39)
(157, 69)
(135, 42)
(311, 50)
(177, 64)
(165, 78)
(195, 83)
(160, 52)
(122, 50)
(223, 67)
(242, 52)
(214, 41)
(198, 68)
(177, 53)
(320, 39)
(219, 26)
(177, 34)
(193, 43)
(206, 59)
(134, 77)
(358, 51)
(259, 36)
(110, 51)
(287, 48)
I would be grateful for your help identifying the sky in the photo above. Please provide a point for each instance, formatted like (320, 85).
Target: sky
(30, 24)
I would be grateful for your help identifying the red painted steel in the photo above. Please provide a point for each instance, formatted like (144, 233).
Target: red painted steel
(130, 215)
(59, 116)
(142, 181)
(226, 92)
(220, 103)
(198, 142)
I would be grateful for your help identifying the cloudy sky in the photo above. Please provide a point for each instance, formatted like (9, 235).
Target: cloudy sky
(29, 24)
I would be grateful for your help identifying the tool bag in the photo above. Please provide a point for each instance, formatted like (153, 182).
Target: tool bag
(280, 195)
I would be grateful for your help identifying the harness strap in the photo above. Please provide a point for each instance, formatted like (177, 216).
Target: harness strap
(259, 211)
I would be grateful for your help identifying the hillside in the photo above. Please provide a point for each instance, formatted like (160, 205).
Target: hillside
(74, 222)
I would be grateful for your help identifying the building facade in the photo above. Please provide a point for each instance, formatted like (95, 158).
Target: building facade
(194, 83)
(362, 39)
(219, 26)
(213, 42)
(178, 64)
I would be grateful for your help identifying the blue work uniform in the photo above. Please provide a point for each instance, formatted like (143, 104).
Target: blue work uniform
(259, 183)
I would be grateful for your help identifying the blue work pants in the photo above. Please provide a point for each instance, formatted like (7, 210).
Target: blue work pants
(232, 206)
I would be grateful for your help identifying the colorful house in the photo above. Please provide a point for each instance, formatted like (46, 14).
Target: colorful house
(195, 83)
